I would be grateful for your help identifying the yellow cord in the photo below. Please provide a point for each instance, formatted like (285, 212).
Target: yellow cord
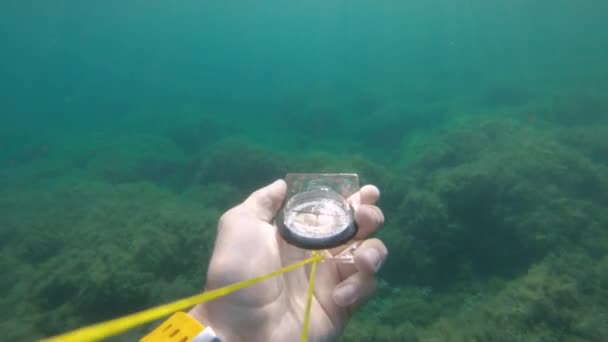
(113, 327)
(311, 289)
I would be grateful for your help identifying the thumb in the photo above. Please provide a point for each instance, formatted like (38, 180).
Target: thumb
(265, 202)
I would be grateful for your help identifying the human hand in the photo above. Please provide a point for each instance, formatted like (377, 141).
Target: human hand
(248, 245)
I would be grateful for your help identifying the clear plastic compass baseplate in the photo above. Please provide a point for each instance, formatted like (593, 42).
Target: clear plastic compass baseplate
(347, 256)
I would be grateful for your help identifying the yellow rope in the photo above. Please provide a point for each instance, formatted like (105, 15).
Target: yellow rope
(311, 289)
(113, 327)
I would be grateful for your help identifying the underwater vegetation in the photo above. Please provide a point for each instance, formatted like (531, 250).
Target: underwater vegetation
(503, 237)
(497, 228)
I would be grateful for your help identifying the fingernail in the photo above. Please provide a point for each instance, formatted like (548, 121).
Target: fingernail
(345, 295)
(373, 256)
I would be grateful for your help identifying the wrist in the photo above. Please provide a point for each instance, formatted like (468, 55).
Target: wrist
(199, 312)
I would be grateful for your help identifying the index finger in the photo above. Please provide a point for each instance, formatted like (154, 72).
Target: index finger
(368, 194)
(365, 213)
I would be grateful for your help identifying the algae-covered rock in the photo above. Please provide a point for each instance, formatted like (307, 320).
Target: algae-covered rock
(240, 165)
(491, 199)
(496, 231)
(102, 257)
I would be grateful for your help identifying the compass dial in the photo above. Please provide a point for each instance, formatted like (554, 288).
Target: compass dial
(317, 219)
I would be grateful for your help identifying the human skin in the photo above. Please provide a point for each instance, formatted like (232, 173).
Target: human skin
(248, 245)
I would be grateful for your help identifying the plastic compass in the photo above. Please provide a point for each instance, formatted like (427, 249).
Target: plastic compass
(317, 216)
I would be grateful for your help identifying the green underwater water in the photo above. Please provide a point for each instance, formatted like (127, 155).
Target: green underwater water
(128, 127)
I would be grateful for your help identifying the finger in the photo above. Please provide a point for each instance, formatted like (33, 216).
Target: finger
(368, 218)
(354, 291)
(369, 194)
(370, 256)
(368, 259)
(265, 202)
